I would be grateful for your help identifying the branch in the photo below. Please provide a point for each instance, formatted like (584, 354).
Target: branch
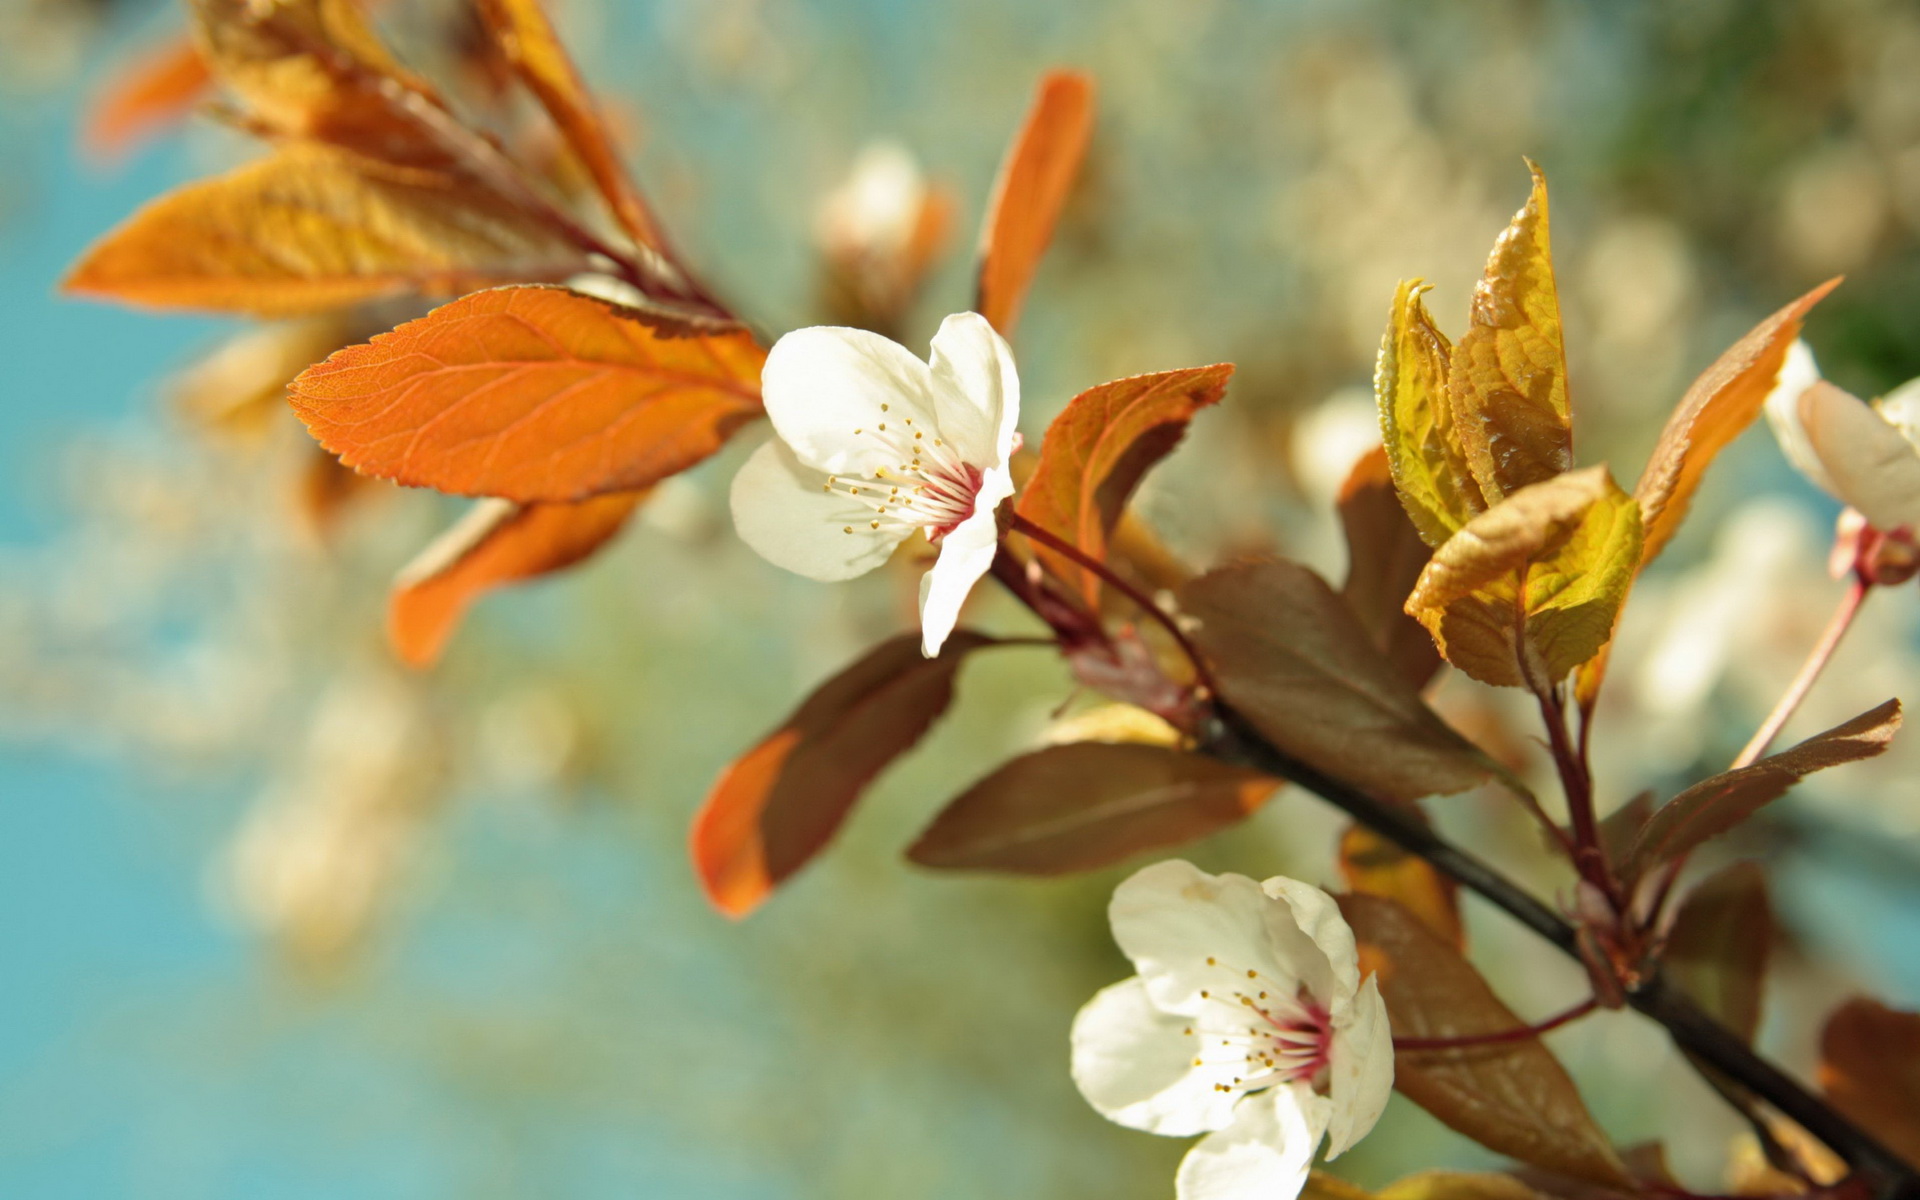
(1884, 1175)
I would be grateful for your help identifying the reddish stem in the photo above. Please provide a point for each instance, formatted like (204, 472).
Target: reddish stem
(1817, 660)
(1518, 1033)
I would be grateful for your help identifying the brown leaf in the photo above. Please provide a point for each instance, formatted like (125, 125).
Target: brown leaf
(1512, 1097)
(533, 394)
(1509, 372)
(527, 38)
(315, 69)
(780, 803)
(324, 491)
(1377, 867)
(1870, 1070)
(146, 95)
(1722, 402)
(1458, 1185)
(1385, 556)
(1717, 950)
(1035, 180)
(1292, 659)
(311, 228)
(1097, 450)
(495, 544)
(1529, 589)
(1713, 806)
(1087, 805)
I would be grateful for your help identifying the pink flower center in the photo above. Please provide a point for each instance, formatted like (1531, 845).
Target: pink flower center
(932, 488)
(1261, 1034)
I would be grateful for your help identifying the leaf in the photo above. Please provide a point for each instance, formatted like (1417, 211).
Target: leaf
(495, 544)
(1032, 189)
(1717, 950)
(533, 394)
(1722, 402)
(1870, 1070)
(1508, 381)
(1372, 865)
(1512, 1097)
(1410, 382)
(310, 228)
(1385, 555)
(527, 38)
(1292, 659)
(1087, 805)
(1529, 589)
(1096, 452)
(316, 69)
(1713, 806)
(146, 95)
(1322, 1186)
(1458, 1185)
(780, 803)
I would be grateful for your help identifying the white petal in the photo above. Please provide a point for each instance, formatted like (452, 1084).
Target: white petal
(1134, 1064)
(1901, 408)
(1169, 918)
(1798, 372)
(1871, 465)
(1331, 968)
(1264, 1155)
(976, 389)
(1361, 1070)
(822, 383)
(966, 553)
(783, 510)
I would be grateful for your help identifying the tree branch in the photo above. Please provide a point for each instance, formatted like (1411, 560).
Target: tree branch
(1884, 1175)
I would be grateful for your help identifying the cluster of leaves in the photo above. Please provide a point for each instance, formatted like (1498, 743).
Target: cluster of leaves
(1474, 540)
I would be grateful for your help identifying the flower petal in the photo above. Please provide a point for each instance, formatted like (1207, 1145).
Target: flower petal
(822, 383)
(782, 509)
(1798, 372)
(1901, 408)
(1872, 466)
(1360, 1070)
(1264, 1155)
(1134, 1064)
(1330, 965)
(966, 553)
(1171, 917)
(976, 391)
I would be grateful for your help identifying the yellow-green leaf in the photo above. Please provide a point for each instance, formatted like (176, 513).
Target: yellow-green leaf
(1508, 380)
(1416, 420)
(1529, 589)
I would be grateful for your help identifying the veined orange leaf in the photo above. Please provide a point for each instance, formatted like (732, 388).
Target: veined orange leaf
(311, 228)
(528, 40)
(145, 95)
(1512, 1097)
(1086, 805)
(1508, 376)
(781, 802)
(497, 543)
(1097, 450)
(532, 394)
(1035, 180)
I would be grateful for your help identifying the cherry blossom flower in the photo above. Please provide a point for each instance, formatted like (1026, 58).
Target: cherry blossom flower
(1247, 1022)
(874, 445)
(1865, 455)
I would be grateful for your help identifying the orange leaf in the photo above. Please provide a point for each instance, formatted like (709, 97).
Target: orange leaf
(1035, 180)
(311, 228)
(1086, 805)
(1097, 450)
(532, 394)
(497, 543)
(1720, 404)
(1377, 867)
(153, 91)
(1870, 1069)
(780, 803)
(528, 40)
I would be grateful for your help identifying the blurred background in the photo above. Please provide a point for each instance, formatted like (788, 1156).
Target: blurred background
(281, 918)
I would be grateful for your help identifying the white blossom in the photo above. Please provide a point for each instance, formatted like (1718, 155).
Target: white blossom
(1864, 455)
(873, 445)
(1247, 1022)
